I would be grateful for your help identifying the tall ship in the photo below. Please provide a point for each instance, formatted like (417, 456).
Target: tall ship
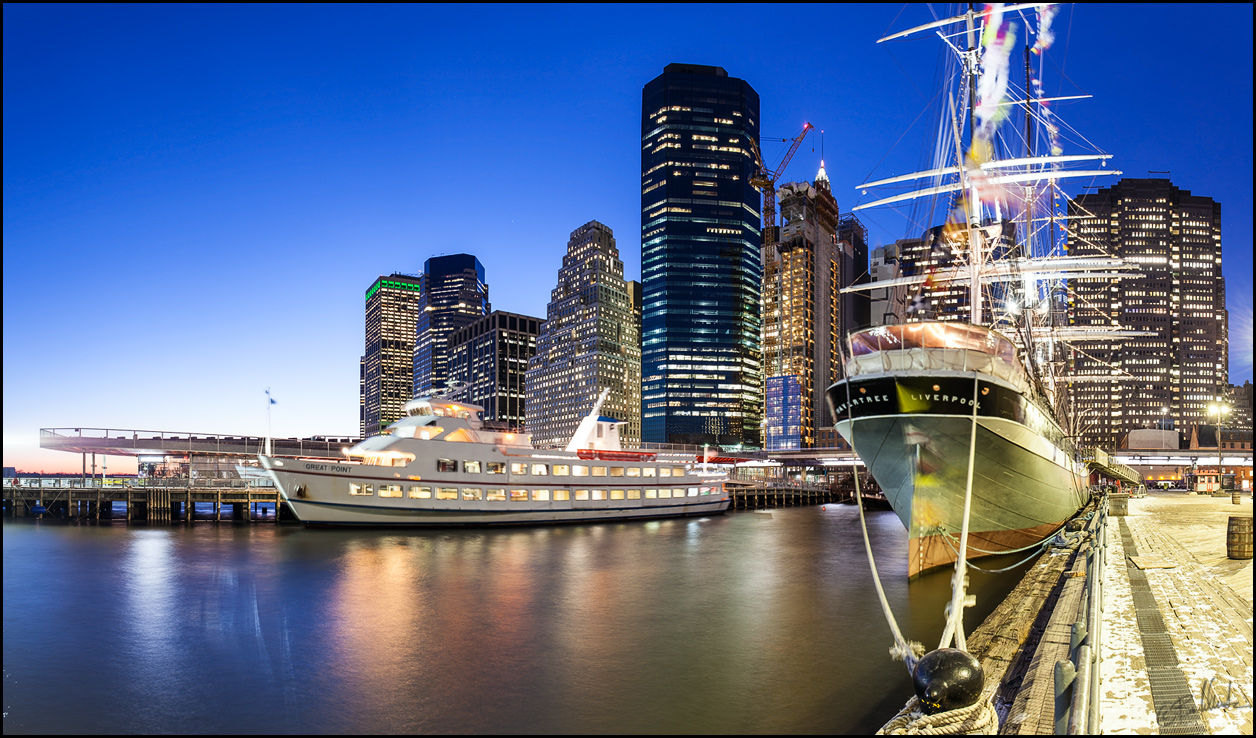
(961, 407)
(442, 465)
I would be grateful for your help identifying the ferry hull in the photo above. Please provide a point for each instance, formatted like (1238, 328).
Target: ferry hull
(1024, 486)
(319, 499)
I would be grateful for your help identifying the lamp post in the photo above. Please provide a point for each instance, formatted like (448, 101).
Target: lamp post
(1220, 410)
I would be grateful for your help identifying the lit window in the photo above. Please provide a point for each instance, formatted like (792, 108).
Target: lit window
(495, 467)
(471, 467)
(540, 495)
(599, 494)
(665, 493)
(540, 470)
(665, 471)
(599, 471)
(446, 465)
(617, 494)
(359, 489)
(421, 493)
(582, 494)
(446, 493)
(518, 467)
(390, 490)
(647, 471)
(518, 495)
(562, 470)
(472, 493)
(617, 471)
(495, 495)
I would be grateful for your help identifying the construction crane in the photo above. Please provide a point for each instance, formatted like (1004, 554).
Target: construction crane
(765, 182)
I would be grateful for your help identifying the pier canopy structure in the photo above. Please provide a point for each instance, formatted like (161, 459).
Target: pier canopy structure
(119, 442)
(172, 454)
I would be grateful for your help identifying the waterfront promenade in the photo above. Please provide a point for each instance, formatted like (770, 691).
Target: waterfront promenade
(1168, 557)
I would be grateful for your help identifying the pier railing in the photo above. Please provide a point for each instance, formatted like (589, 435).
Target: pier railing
(1077, 685)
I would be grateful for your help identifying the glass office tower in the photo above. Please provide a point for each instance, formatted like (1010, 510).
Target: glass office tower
(701, 269)
(454, 296)
(386, 371)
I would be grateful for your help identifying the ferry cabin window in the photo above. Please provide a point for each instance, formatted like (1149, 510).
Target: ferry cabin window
(634, 494)
(651, 494)
(541, 495)
(495, 495)
(599, 471)
(634, 471)
(599, 494)
(446, 465)
(617, 471)
(518, 495)
(421, 493)
(582, 494)
(693, 491)
(446, 493)
(562, 495)
(472, 493)
(665, 493)
(678, 492)
(665, 471)
(540, 470)
(359, 489)
(579, 470)
(495, 467)
(562, 470)
(390, 490)
(647, 471)
(617, 494)
(471, 467)
(518, 467)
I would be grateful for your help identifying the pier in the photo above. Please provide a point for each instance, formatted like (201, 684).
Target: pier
(164, 501)
(1138, 622)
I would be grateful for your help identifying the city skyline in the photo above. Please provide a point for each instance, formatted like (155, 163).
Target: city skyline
(195, 195)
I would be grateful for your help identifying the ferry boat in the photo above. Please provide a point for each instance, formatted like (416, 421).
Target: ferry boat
(441, 465)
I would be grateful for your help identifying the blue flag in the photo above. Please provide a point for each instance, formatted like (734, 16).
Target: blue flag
(272, 400)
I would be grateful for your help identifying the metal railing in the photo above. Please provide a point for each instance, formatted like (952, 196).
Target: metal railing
(1077, 682)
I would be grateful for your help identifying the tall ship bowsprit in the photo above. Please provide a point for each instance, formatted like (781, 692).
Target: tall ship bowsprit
(966, 400)
(442, 465)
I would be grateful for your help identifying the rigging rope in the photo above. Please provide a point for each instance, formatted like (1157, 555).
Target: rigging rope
(978, 718)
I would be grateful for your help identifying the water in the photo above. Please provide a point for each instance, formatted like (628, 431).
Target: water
(741, 623)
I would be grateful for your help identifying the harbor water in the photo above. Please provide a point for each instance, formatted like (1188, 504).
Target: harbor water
(748, 622)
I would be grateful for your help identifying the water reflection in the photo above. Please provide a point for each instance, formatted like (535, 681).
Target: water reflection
(738, 623)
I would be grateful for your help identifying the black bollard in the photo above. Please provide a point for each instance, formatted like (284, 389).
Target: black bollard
(947, 679)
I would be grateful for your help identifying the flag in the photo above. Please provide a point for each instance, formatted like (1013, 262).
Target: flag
(271, 399)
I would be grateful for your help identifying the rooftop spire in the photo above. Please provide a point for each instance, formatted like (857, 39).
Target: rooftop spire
(822, 178)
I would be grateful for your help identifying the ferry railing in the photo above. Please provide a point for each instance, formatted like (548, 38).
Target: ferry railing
(1077, 681)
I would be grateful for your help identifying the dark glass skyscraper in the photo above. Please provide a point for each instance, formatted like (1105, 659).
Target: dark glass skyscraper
(454, 296)
(701, 269)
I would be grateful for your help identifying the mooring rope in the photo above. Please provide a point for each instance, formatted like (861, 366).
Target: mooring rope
(955, 616)
(909, 653)
(978, 718)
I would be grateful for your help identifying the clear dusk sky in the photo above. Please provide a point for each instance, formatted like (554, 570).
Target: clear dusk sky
(196, 198)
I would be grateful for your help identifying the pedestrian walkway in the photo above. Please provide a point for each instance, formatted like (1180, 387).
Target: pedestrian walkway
(1177, 625)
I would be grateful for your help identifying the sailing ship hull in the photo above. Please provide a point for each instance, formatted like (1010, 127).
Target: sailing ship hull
(912, 432)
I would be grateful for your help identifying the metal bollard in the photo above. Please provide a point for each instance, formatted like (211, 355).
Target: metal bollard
(1065, 674)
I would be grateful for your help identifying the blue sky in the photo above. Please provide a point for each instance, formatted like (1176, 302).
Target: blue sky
(197, 197)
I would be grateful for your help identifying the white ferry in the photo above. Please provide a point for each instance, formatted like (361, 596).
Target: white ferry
(441, 466)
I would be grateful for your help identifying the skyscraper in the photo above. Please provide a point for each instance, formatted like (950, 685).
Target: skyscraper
(454, 295)
(386, 373)
(700, 264)
(588, 343)
(1181, 367)
(801, 321)
(490, 357)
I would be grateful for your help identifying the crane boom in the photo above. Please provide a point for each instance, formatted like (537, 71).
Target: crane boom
(765, 182)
